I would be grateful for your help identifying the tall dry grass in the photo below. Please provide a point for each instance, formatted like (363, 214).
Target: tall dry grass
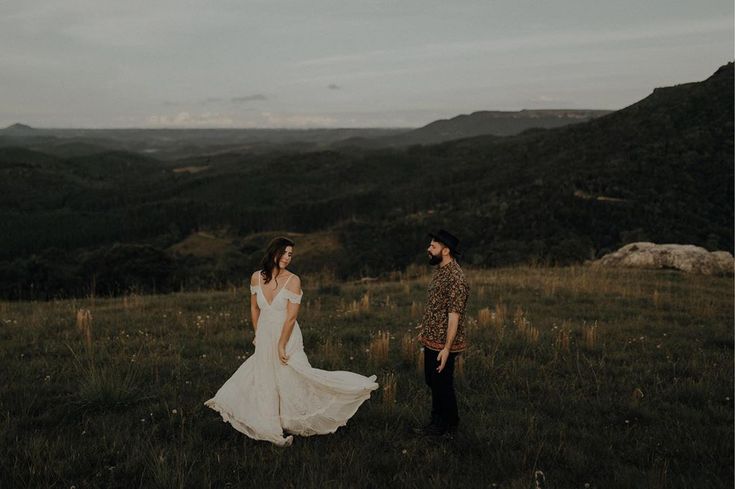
(409, 348)
(590, 333)
(380, 348)
(359, 307)
(84, 325)
(389, 388)
(523, 325)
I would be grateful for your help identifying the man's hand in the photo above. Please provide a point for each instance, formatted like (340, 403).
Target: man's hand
(442, 359)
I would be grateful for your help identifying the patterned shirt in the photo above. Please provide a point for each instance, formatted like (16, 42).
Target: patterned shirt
(448, 292)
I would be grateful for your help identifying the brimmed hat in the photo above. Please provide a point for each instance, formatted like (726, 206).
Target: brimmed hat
(447, 239)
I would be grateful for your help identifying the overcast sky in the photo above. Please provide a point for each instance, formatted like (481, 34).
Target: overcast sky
(342, 63)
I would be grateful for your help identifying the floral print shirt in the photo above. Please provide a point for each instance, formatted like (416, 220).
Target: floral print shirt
(448, 292)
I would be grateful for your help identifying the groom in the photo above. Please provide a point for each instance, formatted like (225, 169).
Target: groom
(442, 331)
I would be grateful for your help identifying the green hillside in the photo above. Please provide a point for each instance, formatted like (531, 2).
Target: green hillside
(659, 170)
(496, 123)
(600, 378)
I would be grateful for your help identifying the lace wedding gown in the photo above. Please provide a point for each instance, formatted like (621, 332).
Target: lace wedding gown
(264, 398)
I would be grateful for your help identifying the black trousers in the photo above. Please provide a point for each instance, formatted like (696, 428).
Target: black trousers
(443, 400)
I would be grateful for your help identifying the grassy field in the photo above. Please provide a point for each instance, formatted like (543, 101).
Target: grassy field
(596, 378)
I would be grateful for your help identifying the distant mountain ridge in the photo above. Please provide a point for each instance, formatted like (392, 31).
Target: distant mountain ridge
(174, 143)
(486, 122)
(18, 128)
(171, 144)
(659, 170)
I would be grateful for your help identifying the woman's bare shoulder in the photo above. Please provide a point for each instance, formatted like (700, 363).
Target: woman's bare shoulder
(254, 278)
(294, 283)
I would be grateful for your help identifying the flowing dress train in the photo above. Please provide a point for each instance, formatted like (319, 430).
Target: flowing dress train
(264, 398)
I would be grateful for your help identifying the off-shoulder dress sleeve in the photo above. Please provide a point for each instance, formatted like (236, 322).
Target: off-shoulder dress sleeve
(253, 289)
(293, 296)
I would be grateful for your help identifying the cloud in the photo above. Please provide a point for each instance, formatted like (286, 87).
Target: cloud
(217, 100)
(297, 120)
(263, 119)
(662, 30)
(333, 86)
(187, 119)
(248, 98)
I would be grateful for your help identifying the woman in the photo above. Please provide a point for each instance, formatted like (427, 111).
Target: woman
(276, 389)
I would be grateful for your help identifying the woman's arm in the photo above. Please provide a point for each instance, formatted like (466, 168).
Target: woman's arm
(292, 310)
(254, 309)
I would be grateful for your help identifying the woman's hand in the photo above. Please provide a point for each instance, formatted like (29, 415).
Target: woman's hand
(254, 338)
(282, 354)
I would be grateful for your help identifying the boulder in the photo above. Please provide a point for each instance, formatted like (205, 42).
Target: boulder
(687, 258)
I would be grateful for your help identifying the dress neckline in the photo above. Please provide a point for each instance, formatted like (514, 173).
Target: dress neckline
(260, 287)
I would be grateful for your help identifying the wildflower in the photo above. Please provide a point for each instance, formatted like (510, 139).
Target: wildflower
(404, 451)
(174, 411)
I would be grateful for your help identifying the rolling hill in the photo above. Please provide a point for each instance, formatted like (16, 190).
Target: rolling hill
(495, 123)
(659, 170)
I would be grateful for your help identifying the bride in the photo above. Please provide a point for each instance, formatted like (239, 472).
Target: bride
(276, 390)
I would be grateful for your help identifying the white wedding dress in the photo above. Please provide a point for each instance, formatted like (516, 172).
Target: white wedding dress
(264, 398)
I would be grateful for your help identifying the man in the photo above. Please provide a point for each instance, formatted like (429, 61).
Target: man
(442, 331)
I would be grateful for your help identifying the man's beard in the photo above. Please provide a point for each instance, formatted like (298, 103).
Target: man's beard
(434, 259)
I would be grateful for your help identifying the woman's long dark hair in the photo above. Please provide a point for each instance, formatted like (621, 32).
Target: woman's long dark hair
(274, 252)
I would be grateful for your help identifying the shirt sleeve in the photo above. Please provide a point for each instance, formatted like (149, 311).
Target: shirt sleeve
(458, 295)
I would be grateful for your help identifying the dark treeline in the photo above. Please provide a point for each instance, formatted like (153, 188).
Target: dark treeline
(660, 170)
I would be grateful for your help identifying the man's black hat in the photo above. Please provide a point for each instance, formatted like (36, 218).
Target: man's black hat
(447, 239)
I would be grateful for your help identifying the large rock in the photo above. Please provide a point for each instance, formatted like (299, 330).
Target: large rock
(688, 258)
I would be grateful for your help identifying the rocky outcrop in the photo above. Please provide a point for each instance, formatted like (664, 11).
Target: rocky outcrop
(688, 258)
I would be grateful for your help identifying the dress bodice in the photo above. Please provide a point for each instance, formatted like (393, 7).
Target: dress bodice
(279, 300)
